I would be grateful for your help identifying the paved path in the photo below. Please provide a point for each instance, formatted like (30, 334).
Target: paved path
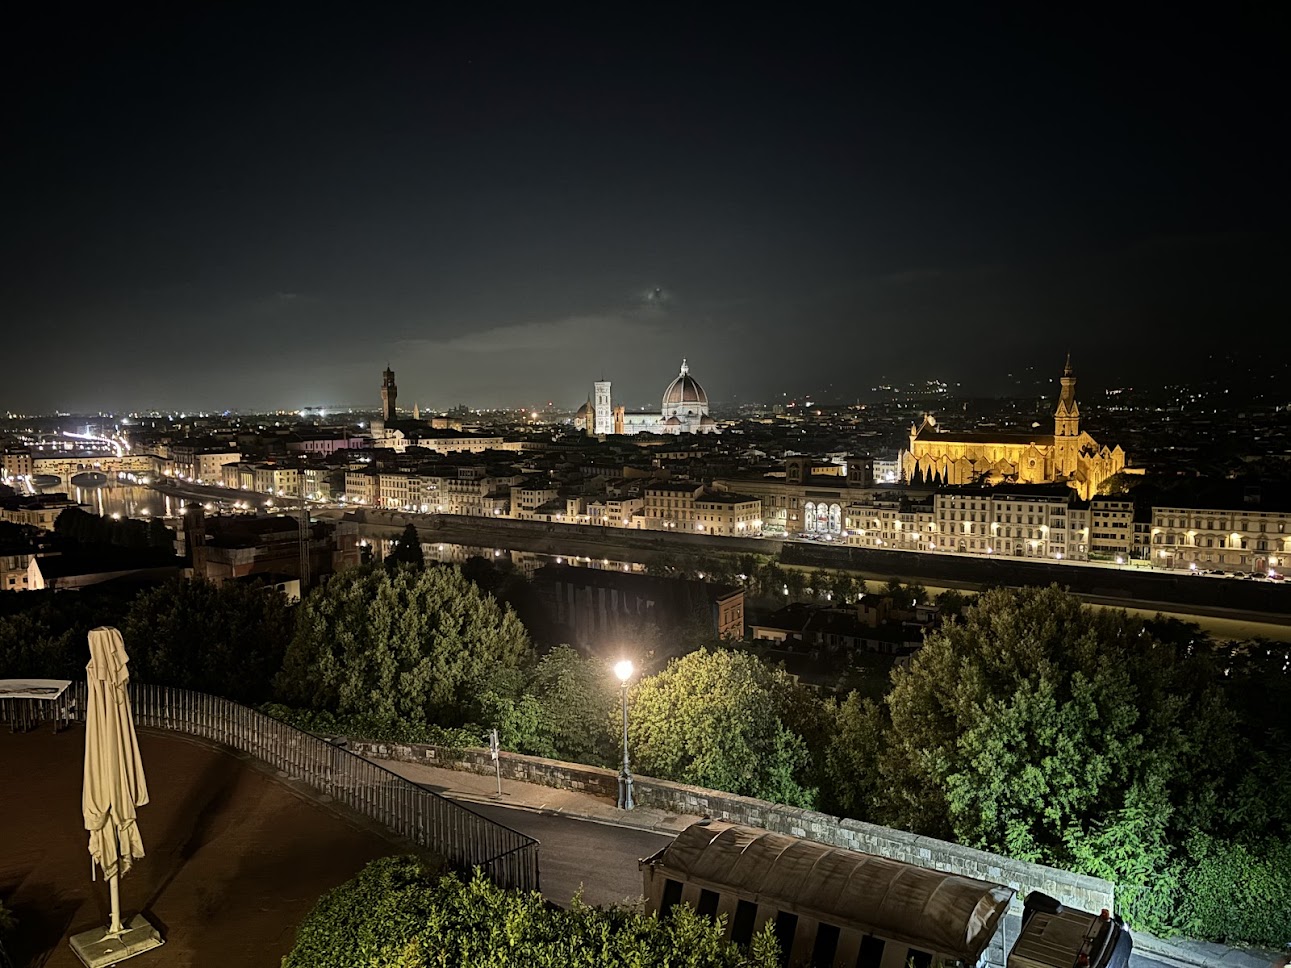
(587, 842)
(597, 859)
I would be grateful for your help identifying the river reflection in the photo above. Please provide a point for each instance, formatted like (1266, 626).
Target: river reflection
(126, 501)
(523, 562)
(136, 501)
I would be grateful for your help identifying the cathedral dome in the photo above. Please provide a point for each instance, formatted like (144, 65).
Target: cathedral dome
(684, 390)
(707, 421)
(583, 411)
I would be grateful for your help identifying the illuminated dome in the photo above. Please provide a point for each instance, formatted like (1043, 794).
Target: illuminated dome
(583, 411)
(685, 393)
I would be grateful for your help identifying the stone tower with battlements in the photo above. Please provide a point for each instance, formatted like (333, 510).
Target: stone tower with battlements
(389, 392)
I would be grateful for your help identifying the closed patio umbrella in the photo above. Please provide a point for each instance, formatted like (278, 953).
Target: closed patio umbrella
(114, 789)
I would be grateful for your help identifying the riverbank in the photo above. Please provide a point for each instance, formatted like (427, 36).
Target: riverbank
(1225, 608)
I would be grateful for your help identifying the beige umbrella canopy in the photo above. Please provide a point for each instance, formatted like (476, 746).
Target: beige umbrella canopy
(114, 789)
(114, 780)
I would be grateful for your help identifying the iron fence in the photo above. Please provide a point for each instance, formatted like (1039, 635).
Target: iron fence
(464, 838)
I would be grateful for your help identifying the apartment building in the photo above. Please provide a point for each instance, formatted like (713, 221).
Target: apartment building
(1248, 538)
(1015, 522)
(275, 479)
(727, 514)
(15, 463)
(670, 505)
(688, 506)
(1111, 528)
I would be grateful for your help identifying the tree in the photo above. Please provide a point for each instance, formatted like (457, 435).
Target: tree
(576, 696)
(1117, 484)
(226, 639)
(724, 720)
(86, 528)
(1052, 732)
(45, 636)
(407, 550)
(819, 585)
(951, 603)
(413, 646)
(850, 780)
(844, 588)
(398, 913)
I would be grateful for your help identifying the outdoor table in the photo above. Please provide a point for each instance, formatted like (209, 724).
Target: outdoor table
(21, 702)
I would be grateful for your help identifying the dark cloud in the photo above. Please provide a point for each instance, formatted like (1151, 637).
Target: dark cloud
(259, 205)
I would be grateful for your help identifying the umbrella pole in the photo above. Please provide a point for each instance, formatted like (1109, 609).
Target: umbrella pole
(114, 889)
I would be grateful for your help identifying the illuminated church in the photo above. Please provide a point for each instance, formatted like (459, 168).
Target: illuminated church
(989, 457)
(684, 411)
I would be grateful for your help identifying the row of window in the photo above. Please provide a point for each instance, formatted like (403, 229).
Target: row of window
(1211, 524)
(824, 948)
(1210, 542)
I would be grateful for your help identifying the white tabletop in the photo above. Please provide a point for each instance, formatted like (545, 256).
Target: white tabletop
(33, 688)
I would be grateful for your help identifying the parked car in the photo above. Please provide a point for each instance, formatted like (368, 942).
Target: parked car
(1056, 936)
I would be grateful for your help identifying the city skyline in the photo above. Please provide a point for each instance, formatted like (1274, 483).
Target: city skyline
(507, 211)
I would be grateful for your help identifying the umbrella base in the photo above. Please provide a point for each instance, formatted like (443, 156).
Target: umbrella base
(97, 949)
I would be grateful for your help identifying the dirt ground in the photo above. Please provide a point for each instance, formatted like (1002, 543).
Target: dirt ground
(235, 856)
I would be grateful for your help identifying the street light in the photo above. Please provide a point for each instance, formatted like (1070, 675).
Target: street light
(624, 671)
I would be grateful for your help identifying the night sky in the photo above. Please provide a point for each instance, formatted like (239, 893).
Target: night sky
(242, 205)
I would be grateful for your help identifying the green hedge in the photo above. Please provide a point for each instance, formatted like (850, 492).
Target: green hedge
(1235, 893)
(398, 914)
(1218, 890)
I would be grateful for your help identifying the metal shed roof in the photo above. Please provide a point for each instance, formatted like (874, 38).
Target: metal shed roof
(948, 913)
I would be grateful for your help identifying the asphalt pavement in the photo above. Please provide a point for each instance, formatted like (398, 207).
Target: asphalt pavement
(598, 859)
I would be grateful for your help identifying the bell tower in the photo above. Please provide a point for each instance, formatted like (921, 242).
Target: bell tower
(603, 411)
(388, 394)
(1066, 425)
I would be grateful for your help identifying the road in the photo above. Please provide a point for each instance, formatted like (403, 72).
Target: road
(577, 854)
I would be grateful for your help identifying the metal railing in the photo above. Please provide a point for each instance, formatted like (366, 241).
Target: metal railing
(464, 838)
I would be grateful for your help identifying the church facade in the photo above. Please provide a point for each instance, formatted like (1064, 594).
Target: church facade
(1068, 454)
(684, 410)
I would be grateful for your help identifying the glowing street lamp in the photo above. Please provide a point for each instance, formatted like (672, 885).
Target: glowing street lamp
(624, 671)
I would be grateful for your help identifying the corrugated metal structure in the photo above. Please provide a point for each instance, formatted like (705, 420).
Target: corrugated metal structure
(855, 895)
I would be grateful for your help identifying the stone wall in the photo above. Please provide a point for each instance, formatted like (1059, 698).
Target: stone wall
(527, 769)
(1077, 890)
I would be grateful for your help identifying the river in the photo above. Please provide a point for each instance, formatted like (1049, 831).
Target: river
(127, 500)
(136, 501)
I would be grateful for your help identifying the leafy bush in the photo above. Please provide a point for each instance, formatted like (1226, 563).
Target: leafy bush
(226, 639)
(365, 727)
(1234, 892)
(561, 709)
(397, 914)
(1037, 727)
(411, 646)
(728, 721)
(43, 634)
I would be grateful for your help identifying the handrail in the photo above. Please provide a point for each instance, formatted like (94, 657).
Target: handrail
(464, 838)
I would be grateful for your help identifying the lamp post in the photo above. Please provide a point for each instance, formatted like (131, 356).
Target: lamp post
(624, 671)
